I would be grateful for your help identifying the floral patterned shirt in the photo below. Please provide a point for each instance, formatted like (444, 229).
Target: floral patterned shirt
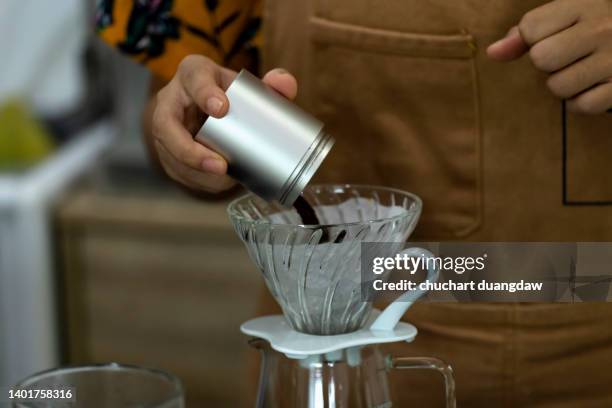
(160, 33)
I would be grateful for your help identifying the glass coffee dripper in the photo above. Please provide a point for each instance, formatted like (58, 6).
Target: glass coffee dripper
(323, 352)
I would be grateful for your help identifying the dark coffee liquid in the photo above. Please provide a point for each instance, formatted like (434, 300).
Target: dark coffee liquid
(309, 217)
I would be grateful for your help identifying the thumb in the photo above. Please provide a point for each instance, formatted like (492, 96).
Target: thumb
(508, 48)
(283, 82)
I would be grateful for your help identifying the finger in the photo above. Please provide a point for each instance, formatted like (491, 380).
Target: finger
(564, 48)
(170, 132)
(548, 19)
(508, 48)
(201, 80)
(194, 179)
(580, 76)
(594, 101)
(282, 81)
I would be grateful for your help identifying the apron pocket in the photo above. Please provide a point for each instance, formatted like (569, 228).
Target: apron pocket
(403, 108)
(587, 159)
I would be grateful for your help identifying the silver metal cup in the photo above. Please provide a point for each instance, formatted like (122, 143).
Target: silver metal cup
(272, 146)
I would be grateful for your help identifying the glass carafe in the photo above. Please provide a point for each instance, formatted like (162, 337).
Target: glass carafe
(354, 377)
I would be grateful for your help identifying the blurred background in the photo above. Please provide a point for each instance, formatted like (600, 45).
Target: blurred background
(102, 258)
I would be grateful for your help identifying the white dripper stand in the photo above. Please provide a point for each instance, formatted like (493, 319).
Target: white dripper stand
(322, 352)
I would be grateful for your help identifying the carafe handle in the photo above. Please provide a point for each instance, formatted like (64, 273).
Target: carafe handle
(392, 314)
(428, 363)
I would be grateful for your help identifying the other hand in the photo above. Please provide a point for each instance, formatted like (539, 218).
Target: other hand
(571, 40)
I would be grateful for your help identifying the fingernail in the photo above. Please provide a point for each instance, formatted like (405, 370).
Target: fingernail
(214, 105)
(213, 166)
(282, 71)
(501, 40)
(496, 43)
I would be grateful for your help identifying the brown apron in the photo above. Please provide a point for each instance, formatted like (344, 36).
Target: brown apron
(407, 90)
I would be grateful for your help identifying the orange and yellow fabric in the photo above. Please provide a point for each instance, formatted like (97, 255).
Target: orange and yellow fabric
(160, 33)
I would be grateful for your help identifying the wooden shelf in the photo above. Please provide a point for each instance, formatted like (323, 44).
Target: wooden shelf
(159, 280)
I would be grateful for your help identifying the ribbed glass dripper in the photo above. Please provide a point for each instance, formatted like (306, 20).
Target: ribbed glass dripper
(314, 271)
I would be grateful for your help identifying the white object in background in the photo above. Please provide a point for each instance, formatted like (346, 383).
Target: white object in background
(28, 318)
(41, 43)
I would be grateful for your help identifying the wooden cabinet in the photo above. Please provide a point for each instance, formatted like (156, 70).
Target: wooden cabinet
(159, 281)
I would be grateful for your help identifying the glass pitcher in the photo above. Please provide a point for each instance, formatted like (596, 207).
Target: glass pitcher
(354, 377)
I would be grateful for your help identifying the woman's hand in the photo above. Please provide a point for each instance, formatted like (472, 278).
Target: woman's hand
(572, 40)
(197, 90)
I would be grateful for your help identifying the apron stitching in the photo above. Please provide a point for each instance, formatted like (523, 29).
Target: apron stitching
(567, 202)
(479, 149)
(480, 180)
